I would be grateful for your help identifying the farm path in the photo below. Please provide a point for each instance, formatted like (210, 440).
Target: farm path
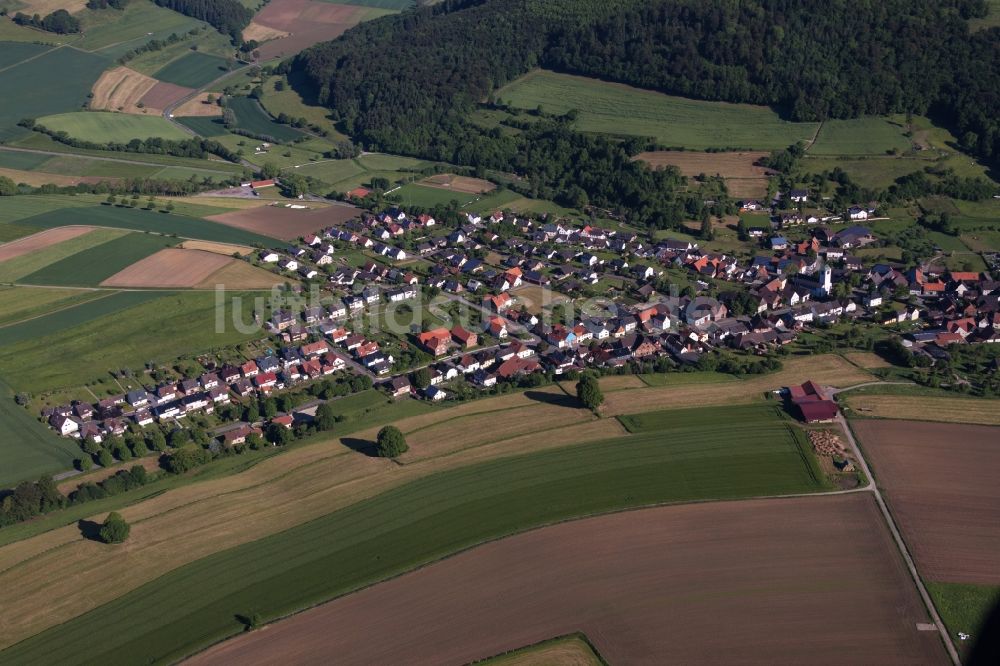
(898, 538)
(37, 55)
(89, 157)
(835, 391)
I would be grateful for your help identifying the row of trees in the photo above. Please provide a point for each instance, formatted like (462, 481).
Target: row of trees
(60, 22)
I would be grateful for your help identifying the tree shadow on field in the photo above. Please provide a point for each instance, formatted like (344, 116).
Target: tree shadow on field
(557, 399)
(363, 446)
(90, 530)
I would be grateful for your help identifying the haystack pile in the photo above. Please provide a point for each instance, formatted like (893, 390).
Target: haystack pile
(827, 443)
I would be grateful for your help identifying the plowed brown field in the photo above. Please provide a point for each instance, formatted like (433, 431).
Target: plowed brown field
(305, 22)
(795, 581)
(163, 95)
(40, 241)
(170, 268)
(286, 223)
(940, 480)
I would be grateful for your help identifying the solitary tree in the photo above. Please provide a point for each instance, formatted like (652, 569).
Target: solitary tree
(114, 529)
(589, 392)
(422, 378)
(390, 442)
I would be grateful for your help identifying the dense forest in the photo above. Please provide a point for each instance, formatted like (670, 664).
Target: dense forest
(227, 16)
(406, 83)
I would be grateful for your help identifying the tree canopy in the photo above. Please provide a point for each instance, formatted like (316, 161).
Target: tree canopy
(114, 529)
(390, 442)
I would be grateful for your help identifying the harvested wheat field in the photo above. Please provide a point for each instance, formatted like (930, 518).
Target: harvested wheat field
(121, 89)
(286, 223)
(40, 241)
(227, 249)
(261, 33)
(867, 360)
(476, 430)
(926, 408)
(620, 382)
(305, 22)
(45, 7)
(199, 106)
(465, 184)
(808, 580)
(171, 267)
(744, 178)
(827, 370)
(190, 522)
(941, 483)
(241, 275)
(164, 94)
(37, 178)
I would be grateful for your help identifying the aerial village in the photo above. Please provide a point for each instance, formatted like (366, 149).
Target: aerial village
(522, 300)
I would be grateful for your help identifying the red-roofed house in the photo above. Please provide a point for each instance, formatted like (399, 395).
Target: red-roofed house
(436, 341)
(463, 337)
(498, 303)
(260, 184)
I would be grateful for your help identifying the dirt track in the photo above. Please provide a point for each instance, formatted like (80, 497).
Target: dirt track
(40, 241)
(940, 482)
(808, 580)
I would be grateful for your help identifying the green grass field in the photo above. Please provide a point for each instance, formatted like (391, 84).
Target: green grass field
(9, 232)
(428, 197)
(162, 329)
(142, 220)
(291, 103)
(68, 75)
(20, 303)
(673, 121)
(252, 118)
(12, 53)
(67, 165)
(963, 607)
(105, 127)
(92, 266)
(114, 33)
(872, 171)
(89, 305)
(420, 522)
(192, 70)
(29, 449)
(38, 141)
(13, 209)
(575, 646)
(862, 136)
(18, 267)
(206, 126)
(10, 159)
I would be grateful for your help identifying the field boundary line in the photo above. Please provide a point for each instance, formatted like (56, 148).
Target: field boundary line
(34, 57)
(67, 307)
(900, 543)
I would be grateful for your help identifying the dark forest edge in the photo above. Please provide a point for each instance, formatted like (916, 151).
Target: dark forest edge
(413, 95)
